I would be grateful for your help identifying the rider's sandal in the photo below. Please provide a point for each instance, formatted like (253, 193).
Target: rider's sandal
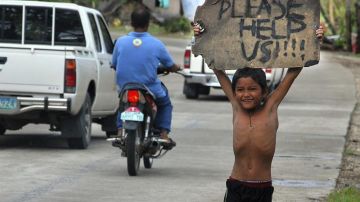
(169, 145)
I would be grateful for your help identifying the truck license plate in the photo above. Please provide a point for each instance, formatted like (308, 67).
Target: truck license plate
(132, 116)
(8, 103)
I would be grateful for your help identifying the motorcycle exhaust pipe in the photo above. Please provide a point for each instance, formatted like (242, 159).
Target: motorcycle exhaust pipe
(153, 143)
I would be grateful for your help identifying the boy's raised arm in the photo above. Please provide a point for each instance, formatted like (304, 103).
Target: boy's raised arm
(225, 83)
(280, 92)
(220, 74)
(278, 95)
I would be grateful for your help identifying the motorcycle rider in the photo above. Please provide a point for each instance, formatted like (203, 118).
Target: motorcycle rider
(136, 58)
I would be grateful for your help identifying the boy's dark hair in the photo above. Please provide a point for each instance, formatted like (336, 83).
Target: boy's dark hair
(140, 18)
(257, 74)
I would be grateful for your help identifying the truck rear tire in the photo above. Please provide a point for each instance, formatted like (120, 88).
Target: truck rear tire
(191, 90)
(109, 125)
(203, 90)
(78, 127)
(271, 87)
(2, 130)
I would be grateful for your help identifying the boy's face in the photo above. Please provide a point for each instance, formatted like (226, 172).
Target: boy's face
(248, 93)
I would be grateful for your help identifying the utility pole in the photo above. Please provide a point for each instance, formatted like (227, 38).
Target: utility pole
(348, 25)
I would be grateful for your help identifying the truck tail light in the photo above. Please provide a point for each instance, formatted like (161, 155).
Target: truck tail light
(133, 96)
(70, 76)
(187, 59)
(268, 70)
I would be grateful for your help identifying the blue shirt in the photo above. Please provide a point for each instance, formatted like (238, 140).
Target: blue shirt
(136, 58)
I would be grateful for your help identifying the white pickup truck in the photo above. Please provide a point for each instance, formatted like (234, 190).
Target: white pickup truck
(199, 78)
(55, 68)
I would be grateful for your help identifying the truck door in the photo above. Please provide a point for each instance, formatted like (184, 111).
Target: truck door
(106, 98)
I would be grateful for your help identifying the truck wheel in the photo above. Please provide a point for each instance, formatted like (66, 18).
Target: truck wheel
(191, 90)
(110, 134)
(79, 127)
(2, 130)
(109, 125)
(203, 90)
(271, 87)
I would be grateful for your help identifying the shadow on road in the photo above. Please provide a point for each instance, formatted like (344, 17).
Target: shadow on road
(26, 141)
(212, 98)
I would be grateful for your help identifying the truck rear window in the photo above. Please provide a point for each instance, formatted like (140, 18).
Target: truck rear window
(10, 24)
(68, 28)
(38, 25)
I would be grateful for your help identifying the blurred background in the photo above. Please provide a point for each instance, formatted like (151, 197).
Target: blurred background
(341, 18)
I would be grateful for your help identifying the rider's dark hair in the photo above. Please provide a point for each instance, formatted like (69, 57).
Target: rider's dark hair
(140, 18)
(257, 74)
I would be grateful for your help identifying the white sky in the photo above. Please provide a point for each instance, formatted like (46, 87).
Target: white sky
(190, 7)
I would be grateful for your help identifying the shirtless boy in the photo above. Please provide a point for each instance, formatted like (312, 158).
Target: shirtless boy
(255, 123)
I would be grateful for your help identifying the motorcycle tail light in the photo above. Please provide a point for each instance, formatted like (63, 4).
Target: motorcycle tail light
(133, 96)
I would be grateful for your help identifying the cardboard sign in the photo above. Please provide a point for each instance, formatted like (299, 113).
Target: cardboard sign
(258, 33)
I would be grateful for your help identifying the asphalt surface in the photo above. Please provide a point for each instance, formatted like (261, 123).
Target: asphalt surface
(38, 166)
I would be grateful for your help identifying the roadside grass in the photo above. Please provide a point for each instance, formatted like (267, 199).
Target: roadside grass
(350, 152)
(349, 194)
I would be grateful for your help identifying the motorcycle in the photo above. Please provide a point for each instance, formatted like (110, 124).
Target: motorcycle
(140, 138)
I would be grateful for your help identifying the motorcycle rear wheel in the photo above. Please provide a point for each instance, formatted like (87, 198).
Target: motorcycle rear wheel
(133, 151)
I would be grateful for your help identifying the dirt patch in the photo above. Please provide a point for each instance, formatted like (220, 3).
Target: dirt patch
(350, 167)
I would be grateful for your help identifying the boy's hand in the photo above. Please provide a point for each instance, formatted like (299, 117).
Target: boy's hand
(320, 33)
(197, 28)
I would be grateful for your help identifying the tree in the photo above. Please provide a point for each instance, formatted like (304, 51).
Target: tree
(338, 16)
(348, 25)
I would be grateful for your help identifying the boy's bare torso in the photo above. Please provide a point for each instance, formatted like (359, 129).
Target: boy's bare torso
(254, 140)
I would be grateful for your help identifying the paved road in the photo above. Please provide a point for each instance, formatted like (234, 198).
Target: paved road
(313, 122)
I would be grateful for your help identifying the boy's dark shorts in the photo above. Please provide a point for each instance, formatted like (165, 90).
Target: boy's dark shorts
(238, 191)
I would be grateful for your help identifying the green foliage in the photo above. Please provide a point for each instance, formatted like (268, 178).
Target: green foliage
(350, 194)
(180, 24)
(339, 13)
(341, 42)
(156, 29)
(351, 152)
(65, 1)
(335, 11)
